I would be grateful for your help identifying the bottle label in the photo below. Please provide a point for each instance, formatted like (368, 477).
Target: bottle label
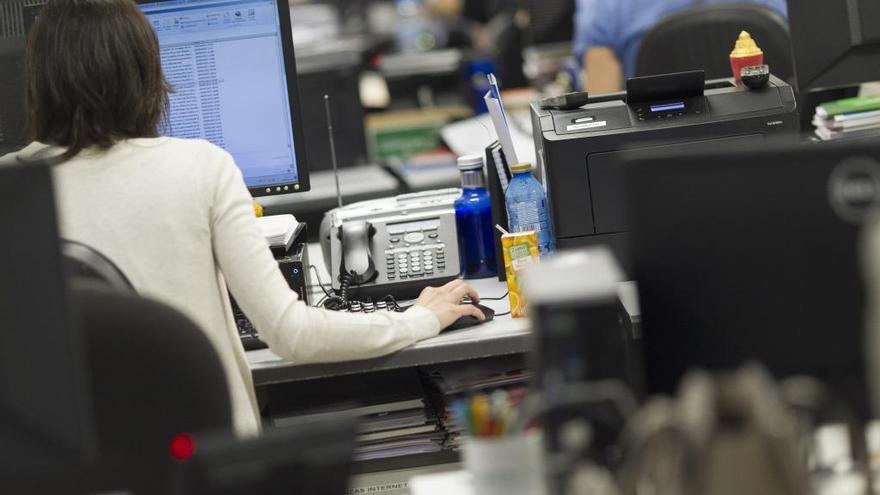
(526, 216)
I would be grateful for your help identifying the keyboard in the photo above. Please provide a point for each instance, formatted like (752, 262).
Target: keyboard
(250, 339)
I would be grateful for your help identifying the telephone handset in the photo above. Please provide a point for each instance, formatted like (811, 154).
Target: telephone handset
(357, 260)
(392, 246)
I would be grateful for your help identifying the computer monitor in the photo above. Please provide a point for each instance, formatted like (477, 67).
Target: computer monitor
(835, 43)
(17, 16)
(753, 255)
(46, 430)
(232, 68)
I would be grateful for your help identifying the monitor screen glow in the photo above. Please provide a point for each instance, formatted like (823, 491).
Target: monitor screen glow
(226, 63)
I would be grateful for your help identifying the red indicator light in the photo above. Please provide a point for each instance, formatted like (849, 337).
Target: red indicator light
(182, 447)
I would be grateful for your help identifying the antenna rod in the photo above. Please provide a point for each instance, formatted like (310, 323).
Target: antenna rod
(332, 149)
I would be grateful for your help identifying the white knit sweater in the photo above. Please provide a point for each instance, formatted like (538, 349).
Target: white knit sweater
(176, 217)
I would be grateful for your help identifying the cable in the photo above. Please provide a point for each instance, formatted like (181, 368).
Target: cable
(393, 304)
(318, 280)
(340, 302)
(320, 303)
(495, 298)
(502, 314)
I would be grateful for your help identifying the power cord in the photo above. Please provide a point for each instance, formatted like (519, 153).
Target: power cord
(339, 300)
(318, 283)
(495, 298)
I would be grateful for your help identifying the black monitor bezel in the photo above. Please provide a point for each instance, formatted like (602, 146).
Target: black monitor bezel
(60, 441)
(293, 98)
(843, 57)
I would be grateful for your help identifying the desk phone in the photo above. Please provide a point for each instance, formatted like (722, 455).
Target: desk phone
(393, 246)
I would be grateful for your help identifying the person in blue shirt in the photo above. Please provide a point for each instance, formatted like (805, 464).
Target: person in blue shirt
(608, 34)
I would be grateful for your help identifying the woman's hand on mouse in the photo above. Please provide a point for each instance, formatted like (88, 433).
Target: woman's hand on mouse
(445, 302)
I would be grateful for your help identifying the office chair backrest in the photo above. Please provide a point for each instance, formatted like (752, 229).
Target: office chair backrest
(154, 375)
(550, 21)
(702, 37)
(84, 261)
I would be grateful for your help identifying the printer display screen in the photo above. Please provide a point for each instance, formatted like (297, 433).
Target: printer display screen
(666, 107)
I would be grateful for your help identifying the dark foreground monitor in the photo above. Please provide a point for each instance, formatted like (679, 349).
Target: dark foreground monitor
(835, 44)
(46, 433)
(312, 459)
(754, 257)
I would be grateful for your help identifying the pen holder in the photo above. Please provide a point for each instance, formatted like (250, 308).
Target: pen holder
(506, 465)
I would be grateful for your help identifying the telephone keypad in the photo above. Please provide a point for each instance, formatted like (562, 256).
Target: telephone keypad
(415, 261)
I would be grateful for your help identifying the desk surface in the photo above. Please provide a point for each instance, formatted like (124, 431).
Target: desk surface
(502, 336)
(457, 482)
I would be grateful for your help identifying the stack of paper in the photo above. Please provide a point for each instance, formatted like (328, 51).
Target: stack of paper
(278, 229)
(850, 117)
(386, 428)
(394, 433)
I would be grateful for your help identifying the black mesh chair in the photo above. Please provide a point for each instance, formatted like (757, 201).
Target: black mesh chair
(702, 37)
(154, 376)
(82, 261)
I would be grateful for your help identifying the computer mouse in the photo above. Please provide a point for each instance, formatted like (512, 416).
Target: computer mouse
(469, 321)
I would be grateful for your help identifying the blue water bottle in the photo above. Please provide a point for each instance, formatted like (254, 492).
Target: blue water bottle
(527, 207)
(473, 219)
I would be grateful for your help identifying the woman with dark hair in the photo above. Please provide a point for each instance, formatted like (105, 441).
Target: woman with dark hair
(175, 215)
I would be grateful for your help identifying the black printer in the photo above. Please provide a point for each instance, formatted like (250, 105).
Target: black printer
(580, 152)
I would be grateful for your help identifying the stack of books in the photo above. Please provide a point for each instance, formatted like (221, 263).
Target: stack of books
(849, 117)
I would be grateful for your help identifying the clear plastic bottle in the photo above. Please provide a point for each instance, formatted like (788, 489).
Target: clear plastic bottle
(527, 207)
(473, 218)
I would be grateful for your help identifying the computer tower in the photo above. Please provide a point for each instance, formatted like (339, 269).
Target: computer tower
(293, 262)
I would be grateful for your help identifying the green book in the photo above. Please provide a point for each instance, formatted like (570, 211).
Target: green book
(848, 105)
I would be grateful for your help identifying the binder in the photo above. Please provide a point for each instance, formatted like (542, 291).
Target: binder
(498, 175)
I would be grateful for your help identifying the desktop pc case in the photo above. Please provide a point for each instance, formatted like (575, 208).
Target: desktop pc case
(293, 262)
(580, 151)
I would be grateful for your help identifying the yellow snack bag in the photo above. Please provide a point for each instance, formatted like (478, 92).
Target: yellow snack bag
(520, 250)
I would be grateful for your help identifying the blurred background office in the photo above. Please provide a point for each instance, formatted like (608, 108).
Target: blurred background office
(400, 72)
(609, 35)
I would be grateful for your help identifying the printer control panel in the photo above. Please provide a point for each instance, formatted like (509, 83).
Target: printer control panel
(622, 116)
(669, 109)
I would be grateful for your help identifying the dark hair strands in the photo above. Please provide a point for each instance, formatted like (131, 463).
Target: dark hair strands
(94, 76)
